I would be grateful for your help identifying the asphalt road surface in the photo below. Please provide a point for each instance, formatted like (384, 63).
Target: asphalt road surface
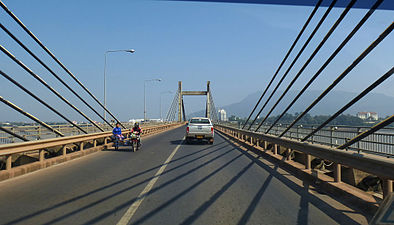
(169, 182)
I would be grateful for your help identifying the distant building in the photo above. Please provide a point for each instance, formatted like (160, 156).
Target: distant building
(222, 115)
(368, 115)
(136, 120)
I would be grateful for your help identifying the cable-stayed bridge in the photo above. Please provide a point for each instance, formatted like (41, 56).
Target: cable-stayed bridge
(256, 172)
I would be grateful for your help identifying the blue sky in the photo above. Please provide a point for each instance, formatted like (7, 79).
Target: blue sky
(237, 47)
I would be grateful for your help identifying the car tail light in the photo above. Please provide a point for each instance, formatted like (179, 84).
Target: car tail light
(212, 130)
(187, 129)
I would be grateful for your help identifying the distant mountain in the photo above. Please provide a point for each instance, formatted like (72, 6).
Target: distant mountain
(373, 102)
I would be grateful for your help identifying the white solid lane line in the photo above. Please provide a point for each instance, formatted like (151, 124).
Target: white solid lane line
(133, 208)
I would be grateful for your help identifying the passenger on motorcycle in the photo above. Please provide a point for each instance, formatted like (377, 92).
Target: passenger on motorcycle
(137, 130)
(117, 132)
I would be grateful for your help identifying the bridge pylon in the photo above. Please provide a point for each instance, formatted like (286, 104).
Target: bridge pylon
(178, 106)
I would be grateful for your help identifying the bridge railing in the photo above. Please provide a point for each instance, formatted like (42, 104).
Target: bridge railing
(381, 142)
(40, 133)
(380, 166)
(61, 147)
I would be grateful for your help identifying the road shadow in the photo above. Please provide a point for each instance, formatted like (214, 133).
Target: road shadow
(182, 142)
(122, 148)
(153, 190)
(208, 151)
(197, 213)
(162, 206)
(177, 142)
(306, 198)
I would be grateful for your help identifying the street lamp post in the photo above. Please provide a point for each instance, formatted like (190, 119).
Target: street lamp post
(145, 81)
(164, 92)
(105, 67)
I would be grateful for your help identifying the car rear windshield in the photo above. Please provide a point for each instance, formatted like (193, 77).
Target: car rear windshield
(200, 121)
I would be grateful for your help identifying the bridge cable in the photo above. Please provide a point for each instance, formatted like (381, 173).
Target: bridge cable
(13, 134)
(364, 134)
(176, 108)
(27, 69)
(16, 19)
(214, 107)
(169, 110)
(354, 100)
(40, 100)
(52, 72)
(213, 110)
(172, 107)
(13, 106)
(172, 111)
(332, 29)
(381, 37)
(285, 58)
(215, 116)
(328, 61)
(296, 58)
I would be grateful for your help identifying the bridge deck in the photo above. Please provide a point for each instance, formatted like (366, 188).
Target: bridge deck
(202, 184)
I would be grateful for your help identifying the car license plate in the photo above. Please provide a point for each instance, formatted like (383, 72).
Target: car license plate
(199, 127)
(200, 136)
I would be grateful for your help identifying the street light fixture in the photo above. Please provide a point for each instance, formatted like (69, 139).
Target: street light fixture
(164, 92)
(145, 81)
(105, 68)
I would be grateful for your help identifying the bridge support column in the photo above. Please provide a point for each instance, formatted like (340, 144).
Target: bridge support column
(81, 146)
(337, 172)
(288, 154)
(265, 145)
(387, 187)
(308, 161)
(41, 155)
(94, 143)
(258, 142)
(275, 149)
(105, 141)
(64, 151)
(8, 164)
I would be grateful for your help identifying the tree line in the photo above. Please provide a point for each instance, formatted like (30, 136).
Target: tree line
(344, 119)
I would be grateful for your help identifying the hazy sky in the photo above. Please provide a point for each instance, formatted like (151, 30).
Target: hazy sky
(237, 47)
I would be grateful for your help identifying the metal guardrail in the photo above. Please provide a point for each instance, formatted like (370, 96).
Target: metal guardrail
(381, 142)
(8, 150)
(40, 133)
(380, 166)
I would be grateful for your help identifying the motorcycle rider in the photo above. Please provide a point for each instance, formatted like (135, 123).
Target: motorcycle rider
(137, 129)
(117, 132)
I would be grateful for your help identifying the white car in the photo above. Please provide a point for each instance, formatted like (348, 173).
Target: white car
(199, 128)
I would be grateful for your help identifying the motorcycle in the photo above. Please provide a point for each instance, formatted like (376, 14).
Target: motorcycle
(134, 141)
(117, 141)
